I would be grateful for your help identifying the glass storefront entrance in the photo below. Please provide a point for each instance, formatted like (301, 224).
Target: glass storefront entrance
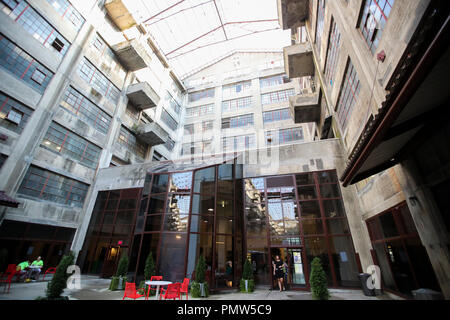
(294, 271)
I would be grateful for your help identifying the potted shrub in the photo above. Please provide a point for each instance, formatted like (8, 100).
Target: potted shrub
(247, 283)
(119, 280)
(149, 271)
(59, 281)
(318, 281)
(199, 287)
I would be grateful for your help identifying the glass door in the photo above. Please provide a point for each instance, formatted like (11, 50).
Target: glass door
(294, 275)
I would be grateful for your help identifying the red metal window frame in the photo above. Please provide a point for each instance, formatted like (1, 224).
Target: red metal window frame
(334, 46)
(372, 37)
(348, 95)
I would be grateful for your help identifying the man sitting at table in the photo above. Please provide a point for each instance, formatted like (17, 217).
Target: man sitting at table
(22, 268)
(35, 269)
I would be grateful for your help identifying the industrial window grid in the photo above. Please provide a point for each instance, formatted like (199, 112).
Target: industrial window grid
(274, 81)
(8, 104)
(22, 65)
(199, 147)
(284, 135)
(38, 27)
(334, 46)
(236, 104)
(195, 96)
(99, 82)
(236, 143)
(130, 142)
(108, 57)
(203, 127)
(276, 115)
(169, 144)
(239, 87)
(348, 95)
(277, 96)
(68, 12)
(84, 109)
(320, 23)
(373, 21)
(169, 120)
(200, 110)
(238, 121)
(62, 141)
(42, 184)
(173, 103)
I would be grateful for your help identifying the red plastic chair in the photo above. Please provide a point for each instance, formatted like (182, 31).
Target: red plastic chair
(185, 288)
(49, 271)
(130, 291)
(153, 288)
(172, 292)
(8, 279)
(12, 268)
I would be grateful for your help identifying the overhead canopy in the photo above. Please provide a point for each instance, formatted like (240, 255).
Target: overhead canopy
(417, 105)
(191, 33)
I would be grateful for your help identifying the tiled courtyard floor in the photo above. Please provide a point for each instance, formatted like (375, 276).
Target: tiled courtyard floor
(94, 288)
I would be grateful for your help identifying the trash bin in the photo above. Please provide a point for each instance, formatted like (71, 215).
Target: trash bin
(427, 294)
(367, 291)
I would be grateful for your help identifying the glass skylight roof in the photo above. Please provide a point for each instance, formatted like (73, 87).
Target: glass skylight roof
(193, 33)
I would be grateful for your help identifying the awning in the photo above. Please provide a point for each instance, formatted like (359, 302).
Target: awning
(418, 101)
(7, 201)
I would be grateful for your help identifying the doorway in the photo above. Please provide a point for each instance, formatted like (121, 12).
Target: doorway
(295, 275)
(111, 261)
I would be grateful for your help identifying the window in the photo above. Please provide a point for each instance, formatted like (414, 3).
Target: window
(38, 27)
(320, 22)
(99, 82)
(45, 185)
(173, 103)
(108, 59)
(80, 106)
(200, 110)
(14, 116)
(273, 81)
(169, 144)
(23, 66)
(129, 141)
(195, 96)
(169, 120)
(38, 76)
(276, 115)
(334, 46)
(67, 12)
(65, 142)
(284, 136)
(373, 21)
(14, 112)
(238, 122)
(236, 104)
(12, 4)
(348, 95)
(234, 88)
(237, 143)
(276, 96)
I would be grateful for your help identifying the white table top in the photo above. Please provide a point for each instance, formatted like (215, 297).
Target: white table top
(158, 283)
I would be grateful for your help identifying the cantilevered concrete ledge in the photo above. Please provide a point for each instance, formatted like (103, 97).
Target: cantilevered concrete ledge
(298, 60)
(305, 107)
(142, 95)
(152, 134)
(132, 54)
(292, 13)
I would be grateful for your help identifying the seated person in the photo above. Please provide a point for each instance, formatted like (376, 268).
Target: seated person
(36, 268)
(22, 268)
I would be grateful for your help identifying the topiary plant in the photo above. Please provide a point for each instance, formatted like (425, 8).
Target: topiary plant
(247, 283)
(199, 287)
(59, 281)
(149, 271)
(318, 281)
(122, 268)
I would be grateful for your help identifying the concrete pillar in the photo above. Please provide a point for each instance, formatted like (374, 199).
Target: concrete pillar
(428, 221)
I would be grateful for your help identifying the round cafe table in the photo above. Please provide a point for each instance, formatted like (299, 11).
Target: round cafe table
(157, 284)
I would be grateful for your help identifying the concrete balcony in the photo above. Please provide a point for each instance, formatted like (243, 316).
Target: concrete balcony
(142, 95)
(152, 134)
(119, 14)
(292, 13)
(305, 107)
(132, 55)
(298, 60)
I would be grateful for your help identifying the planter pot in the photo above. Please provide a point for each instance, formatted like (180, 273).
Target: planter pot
(114, 283)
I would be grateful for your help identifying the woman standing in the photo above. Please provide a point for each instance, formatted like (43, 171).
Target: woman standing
(278, 272)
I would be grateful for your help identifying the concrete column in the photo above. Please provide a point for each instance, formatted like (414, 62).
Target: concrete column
(428, 221)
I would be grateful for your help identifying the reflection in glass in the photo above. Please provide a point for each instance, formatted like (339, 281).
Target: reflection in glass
(255, 219)
(337, 226)
(181, 182)
(178, 203)
(202, 223)
(160, 182)
(344, 261)
(316, 247)
(171, 256)
(333, 208)
(204, 180)
(199, 245)
(225, 205)
(327, 177)
(285, 241)
(149, 246)
(203, 204)
(329, 191)
(307, 193)
(224, 225)
(309, 209)
(258, 254)
(312, 226)
(156, 204)
(304, 179)
(291, 227)
(175, 222)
